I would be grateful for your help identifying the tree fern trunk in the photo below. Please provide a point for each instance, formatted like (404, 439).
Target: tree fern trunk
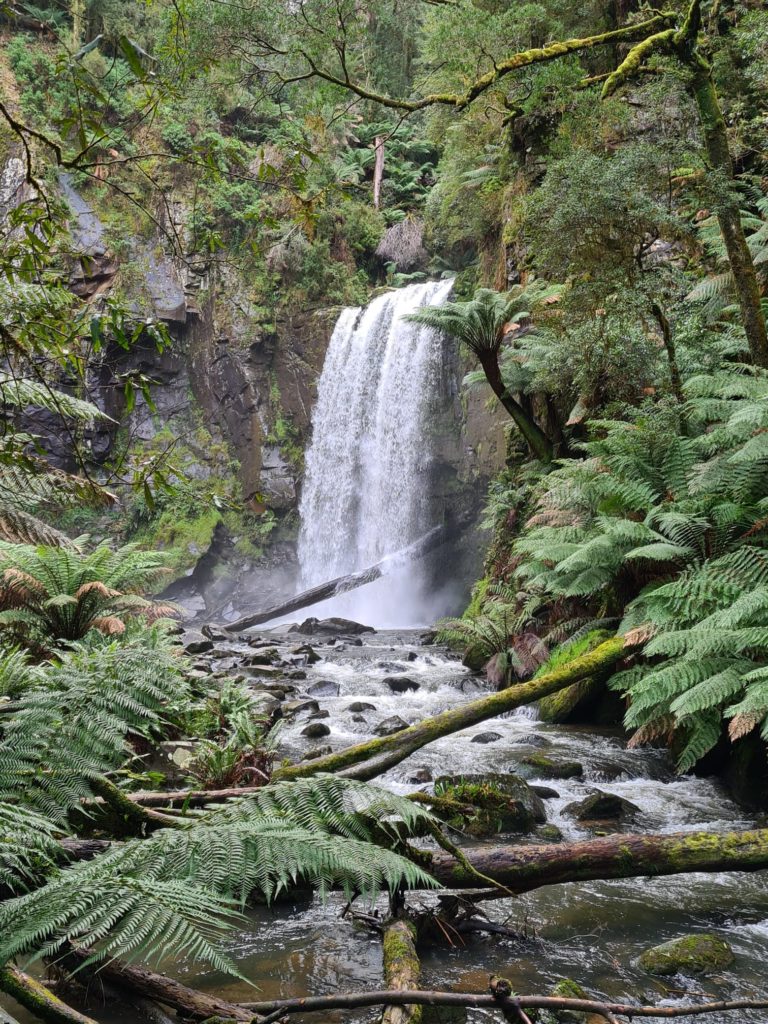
(540, 445)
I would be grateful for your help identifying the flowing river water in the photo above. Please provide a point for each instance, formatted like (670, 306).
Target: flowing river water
(592, 932)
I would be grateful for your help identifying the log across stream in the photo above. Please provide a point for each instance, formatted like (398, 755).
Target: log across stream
(591, 931)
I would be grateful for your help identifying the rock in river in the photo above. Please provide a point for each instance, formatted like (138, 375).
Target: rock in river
(697, 954)
(486, 737)
(599, 806)
(315, 730)
(400, 684)
(390, 726)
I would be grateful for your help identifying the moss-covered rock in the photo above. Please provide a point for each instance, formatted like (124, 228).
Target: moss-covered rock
(499, 802)
(559, 707)
(694, 954)
(547, 768)
(566, 988)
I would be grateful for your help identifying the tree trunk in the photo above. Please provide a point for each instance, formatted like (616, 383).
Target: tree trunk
(343, 584)
(35, 997)
(367, 760)
(540, 445)
(674, 369)
(524, 868)
(190, 1002)
(378, 170)
(728, 215)
(402, 969)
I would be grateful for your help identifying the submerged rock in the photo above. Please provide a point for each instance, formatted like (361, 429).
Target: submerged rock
(401, 684)
(360, 705)
(295, 707)
(697, 954)
(545, 792)
(420, 776)
(390, 726)
(532, 739)
(599, 806)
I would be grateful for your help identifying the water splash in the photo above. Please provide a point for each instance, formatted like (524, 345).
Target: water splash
(366, 488)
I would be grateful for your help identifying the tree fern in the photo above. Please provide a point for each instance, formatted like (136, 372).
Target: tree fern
(173, 892)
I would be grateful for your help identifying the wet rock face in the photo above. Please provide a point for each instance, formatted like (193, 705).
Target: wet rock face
(486, 737)
(690, 954)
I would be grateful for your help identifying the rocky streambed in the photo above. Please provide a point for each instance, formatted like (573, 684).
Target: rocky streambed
(332, 686)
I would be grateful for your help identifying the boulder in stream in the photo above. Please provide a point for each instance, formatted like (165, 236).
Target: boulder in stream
(315, 730)
(503, 802)
(360, 705)
(312, 755)
(295, 707)
(401, 684)
(602, 807)
(307, 653)
(690, 954)
(548, 768)
(324, 688)
(332, 627)
(486, 737)
(390, 726)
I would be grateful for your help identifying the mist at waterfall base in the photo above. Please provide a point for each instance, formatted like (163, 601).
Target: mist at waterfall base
(367, 486)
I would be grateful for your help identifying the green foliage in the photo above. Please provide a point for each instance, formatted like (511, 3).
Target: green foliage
(668, 530)
(174, 892)
(76, 719)
(49, 595)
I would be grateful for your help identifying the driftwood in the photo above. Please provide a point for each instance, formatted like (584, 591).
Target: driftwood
(343, 584)
(367, 760)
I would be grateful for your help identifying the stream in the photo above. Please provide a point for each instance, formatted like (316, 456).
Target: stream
(592, 932)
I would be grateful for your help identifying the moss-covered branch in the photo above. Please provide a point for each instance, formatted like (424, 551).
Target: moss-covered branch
(35, 997)
(367, 760)
(636, 58)
(536, 55)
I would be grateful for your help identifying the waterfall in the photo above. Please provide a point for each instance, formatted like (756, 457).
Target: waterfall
(367, 481)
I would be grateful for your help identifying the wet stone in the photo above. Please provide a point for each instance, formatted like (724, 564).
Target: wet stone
(308, 652)
(390, 726)
(401, 684)
(599, 806)
(324, 688)
(547, 768)
(312, 755)
(315, 730)
(545, 792)
(315, 716)
(360, 705)
(296, 707)
(420, 776)
(195, 643)
(532, 739)
(486, 737)
(690, 954)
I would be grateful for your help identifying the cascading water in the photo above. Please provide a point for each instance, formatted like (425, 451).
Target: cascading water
(366, 488)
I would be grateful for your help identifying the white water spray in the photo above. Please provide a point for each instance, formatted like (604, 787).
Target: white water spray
(366, 487)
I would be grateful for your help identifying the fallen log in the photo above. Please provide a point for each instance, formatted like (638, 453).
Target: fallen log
(521, 869)
(367, 760)
(35, 997)
(402, 969)
(343, 584)
(357, 1000)
(156, 987)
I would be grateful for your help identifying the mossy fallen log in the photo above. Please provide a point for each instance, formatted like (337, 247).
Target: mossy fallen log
(367, 760)
(521, 869)
(402, 969)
